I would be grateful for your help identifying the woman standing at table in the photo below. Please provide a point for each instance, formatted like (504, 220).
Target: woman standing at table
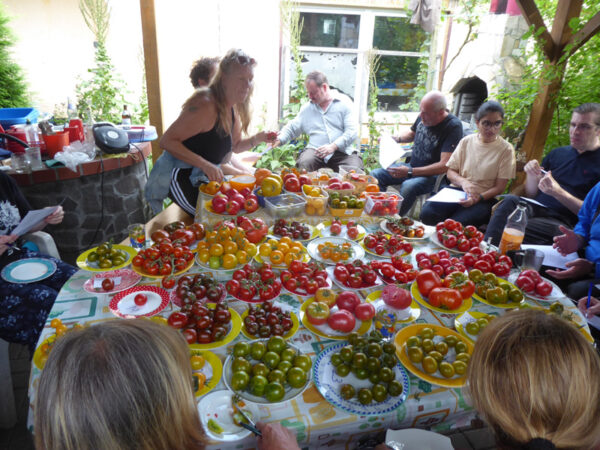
(536, 381)
(24, 307)
(481, 166)
(208, 128)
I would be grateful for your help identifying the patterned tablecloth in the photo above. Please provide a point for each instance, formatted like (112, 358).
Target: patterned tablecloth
(315, 422)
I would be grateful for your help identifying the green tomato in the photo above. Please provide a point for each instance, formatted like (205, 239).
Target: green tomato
(276, 344)
(284, 366)
(274, 392)
(365, 396)
(239, 380)
(347, 391)
(395, 388)
(271, 359)
(379, 392)
(257, 350)
(303, 361)
(336, 359)
(260, 369)
(214, 262)
(241, 364)
(296, 377)
(257, 385)
(342, 370)
(276, 375)
(241, 349)
(288, 354)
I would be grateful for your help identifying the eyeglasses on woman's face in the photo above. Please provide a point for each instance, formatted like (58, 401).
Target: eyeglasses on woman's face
(488, 124)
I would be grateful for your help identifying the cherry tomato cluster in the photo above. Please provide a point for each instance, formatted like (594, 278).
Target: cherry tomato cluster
(252, 285)
(163, 258)
(178, 232)
(267, 320)
(405, 227)
(304, 278)
(396, 271)
(231, 202)
(351, 228)
(452, 235)
(494, 262)
(441, 262)
(199, 287)
(294, 230)
(201, 324)
(531, 282)
(355, 275)
(384, 244)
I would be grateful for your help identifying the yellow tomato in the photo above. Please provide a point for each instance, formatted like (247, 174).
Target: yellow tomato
(203, 255)
(197, 362)
(159, 319)
(211, 237)
(201, 245)
(61, 330)
(296, 247)
(264, 249)
(224, 232)
(230, 247)
(216, 250)
(276, 257)
(283, 247)
(274, 243)
(270, 186)
(201, 379)
(310, 209)
(285, 240)
(229, 261)
(56, 323)
(241, 256)
(250, 249)
(289, 257)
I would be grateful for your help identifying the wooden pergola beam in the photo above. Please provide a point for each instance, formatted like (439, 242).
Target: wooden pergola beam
(532, 16)
(152, 70)
(561, 30)
(584, 35)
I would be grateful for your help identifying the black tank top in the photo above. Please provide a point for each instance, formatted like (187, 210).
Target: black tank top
(211, 145)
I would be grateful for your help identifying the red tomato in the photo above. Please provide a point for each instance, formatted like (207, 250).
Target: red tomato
(250, 205)
(444, 254)
(347, 300)
(190, 335)
(533, 274)
(177, 320)
(140, 299)
(543, 288)
(168, 282)
(438, 269)
(525, 283)
(483, 265)
(469, 259)
(342, 320)
(463, 245)
(396, 297)
(341, 273)
(364, 311)
(233, 207)
(232, 286)
(108, 284)
(460, 281)
(427, 280)
(450, 224)
(443, 297)
(501, 269)
(317, 313)
(450, 241)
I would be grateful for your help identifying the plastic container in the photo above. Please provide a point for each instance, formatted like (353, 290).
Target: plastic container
(383, 204)
(316, 206)
(140, 133)
(56, 142)
(514, 231)
(350, 212)
(285, 205)
(346, 170)
(12, 116)
(261, 198)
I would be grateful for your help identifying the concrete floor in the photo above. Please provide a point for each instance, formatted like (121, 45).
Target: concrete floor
(19, 438)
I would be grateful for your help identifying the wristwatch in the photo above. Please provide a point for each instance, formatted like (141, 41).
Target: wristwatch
(410, 170)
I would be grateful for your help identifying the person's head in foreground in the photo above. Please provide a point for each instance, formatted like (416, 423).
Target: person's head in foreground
(433, 108)
(489, 118)
(536, 381)
(203, 70)
(121, 384)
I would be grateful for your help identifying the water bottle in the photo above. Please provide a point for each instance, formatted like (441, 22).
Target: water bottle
(71, 110)
(126, 118)
(514, 231)
(32, 136)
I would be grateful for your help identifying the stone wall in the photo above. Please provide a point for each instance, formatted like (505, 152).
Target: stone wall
(118, 193)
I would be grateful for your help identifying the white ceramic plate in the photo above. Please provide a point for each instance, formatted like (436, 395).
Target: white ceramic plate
(328, 383)
(28, 270)
(313, 249)
(556, 293)
(217, 406)
(123, 304)
(416, 223)
(325, 229)
(123, 279)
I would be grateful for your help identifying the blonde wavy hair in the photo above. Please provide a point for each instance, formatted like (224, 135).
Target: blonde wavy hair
(121, 384)
(533, 376)
(233, 60)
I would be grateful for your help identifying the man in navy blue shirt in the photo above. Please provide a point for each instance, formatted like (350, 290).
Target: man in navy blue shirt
(560, 184)
(434, 135)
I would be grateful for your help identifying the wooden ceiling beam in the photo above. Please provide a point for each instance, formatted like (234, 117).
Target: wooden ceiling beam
(532, 16)
(561, 30)
(584, 35)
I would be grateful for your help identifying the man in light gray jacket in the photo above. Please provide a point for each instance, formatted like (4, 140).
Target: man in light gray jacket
(330, 125)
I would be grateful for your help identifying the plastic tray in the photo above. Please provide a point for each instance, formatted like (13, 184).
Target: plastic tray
(12, 116)
(285, 205)
(142, 133)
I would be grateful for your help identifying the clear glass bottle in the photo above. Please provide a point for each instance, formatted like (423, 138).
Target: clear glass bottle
(514, 231)
(126, 118)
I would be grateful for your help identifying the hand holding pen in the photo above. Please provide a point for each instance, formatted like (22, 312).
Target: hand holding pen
(6, 242)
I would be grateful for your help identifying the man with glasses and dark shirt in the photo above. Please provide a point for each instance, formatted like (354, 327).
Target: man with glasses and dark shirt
(560, 184)
(434, 135)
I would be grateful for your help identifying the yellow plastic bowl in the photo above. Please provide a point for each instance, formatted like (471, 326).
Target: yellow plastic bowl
(242, 181)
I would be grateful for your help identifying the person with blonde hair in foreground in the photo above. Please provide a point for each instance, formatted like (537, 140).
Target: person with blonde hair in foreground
(536, 381)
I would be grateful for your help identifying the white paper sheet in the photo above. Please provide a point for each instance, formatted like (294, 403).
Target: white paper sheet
(389, 151)
(448, 195)
(528, 200)
(551, 256)
(32, 219)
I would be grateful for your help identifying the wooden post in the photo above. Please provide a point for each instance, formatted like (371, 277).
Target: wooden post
(152, 71)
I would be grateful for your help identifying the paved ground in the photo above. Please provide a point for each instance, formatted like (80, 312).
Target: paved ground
(19, 438)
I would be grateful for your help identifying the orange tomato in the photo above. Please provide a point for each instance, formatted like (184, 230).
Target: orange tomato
(261, 174)
(372, 188)
(229, 261)
(264, 249)
(201, 380)
(289, 257)
(212, 187)
(203, 255)
(56, 323)
(197, 362)
(283, 247)
(230, 247)
(242, 257)
(285, 240)
(216, 250)
(276, 257)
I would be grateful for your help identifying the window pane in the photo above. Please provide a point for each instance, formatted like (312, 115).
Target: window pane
(339, 68)
(330, 30)
(397, 79)
(396, 33)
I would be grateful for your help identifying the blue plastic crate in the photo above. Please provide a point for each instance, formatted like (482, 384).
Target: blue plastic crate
(14, 116)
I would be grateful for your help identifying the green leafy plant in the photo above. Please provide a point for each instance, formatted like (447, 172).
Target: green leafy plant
(278, 157)
(13, 89)
(371, 153)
